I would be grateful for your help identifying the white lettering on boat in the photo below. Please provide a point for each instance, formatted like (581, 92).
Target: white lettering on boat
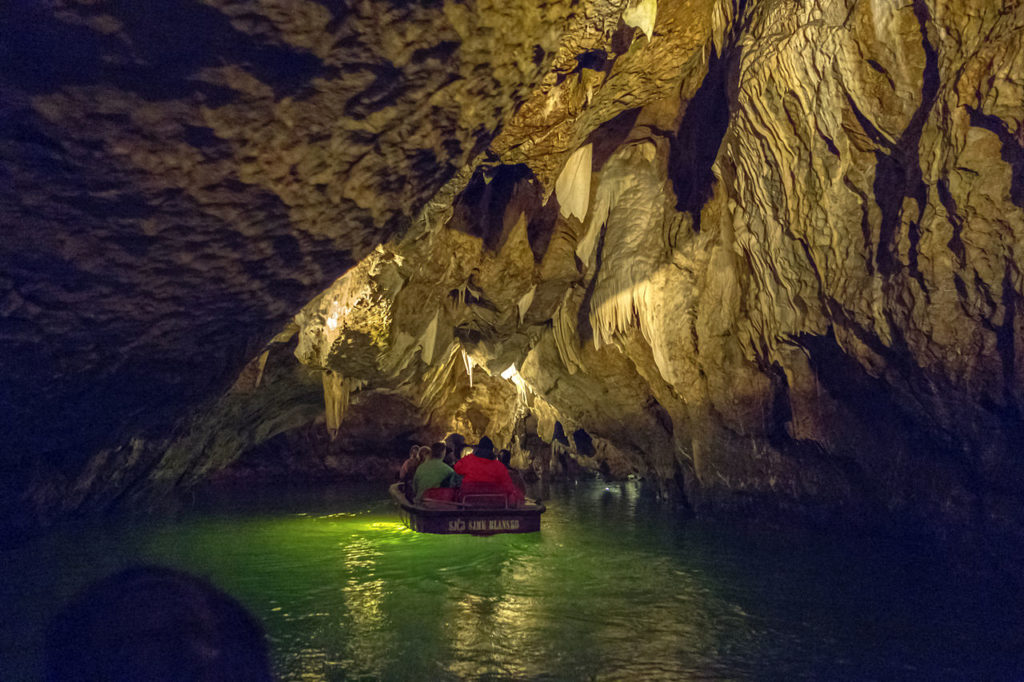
(458, 525)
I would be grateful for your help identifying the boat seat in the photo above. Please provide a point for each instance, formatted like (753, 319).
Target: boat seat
(489, 500)
(439, 498)
(482, 494)
(439, 494)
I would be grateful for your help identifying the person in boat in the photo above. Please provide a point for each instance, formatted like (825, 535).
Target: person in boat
(409, 466)
(483, 474)
(455, 443)
(505, 457)
(434, 474)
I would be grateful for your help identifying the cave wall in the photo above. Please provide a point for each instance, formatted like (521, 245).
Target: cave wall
(870, 175)
(762, 251)
(794, 285)
(179, 178)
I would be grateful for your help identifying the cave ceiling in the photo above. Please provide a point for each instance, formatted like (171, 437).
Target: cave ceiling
(180, 178)
(767, 249)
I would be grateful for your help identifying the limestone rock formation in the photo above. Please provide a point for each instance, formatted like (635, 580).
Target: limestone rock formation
(180, 178)
(765, 252)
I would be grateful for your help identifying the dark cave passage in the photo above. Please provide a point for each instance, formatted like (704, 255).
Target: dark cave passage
(681, 272)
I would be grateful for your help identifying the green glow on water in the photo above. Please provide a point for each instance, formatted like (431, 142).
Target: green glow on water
(613, 587)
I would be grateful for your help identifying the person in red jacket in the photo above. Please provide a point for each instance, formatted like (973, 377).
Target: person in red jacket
(483, 474)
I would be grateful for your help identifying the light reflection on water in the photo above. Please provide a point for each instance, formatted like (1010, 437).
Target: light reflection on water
(614, 587)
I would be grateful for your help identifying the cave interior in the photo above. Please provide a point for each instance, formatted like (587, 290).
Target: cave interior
(761, 254)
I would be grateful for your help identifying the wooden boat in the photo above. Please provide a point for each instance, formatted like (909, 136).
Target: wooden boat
(475, 515)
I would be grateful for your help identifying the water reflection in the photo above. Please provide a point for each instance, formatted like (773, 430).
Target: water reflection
(614, 587)
(489, 623)
(369, 637)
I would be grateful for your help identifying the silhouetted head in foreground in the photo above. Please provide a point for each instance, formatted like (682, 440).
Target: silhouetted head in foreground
(152, 623)
(485, 448)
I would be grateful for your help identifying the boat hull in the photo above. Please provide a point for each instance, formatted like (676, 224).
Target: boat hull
(466, 520)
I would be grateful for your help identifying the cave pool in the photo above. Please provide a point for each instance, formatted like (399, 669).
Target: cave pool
(616, 586)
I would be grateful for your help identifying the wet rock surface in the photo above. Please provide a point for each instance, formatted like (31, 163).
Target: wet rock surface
(764, 253)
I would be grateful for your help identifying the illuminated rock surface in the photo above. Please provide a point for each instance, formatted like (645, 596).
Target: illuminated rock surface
(794, 290)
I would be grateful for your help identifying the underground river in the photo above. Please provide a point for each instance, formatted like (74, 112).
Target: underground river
(615, 586)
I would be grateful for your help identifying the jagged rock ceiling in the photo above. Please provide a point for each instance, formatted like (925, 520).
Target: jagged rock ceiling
(768, 249)
(180, 178)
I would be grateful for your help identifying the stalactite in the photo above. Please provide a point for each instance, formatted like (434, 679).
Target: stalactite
(629, 200)
(588, 242)
(261, 367)
(251, 375)
(336, 394)
(428, 340)
(564, 328)
(722, 17)
(468, 362)
(619, 176)
(642, 15)
(622, 304)
(573, 185)
(525, 302)
(522, 388)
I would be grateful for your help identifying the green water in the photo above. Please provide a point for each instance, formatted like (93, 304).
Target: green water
(614, 587)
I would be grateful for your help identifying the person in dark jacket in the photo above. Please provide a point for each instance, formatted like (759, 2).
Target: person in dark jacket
(483, 474)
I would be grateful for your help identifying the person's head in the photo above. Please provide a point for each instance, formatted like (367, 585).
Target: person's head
(505, 457)
(424, 453)
(485, 448)
(414, 451)
(437, 450)
(466, 452)
(153, 623)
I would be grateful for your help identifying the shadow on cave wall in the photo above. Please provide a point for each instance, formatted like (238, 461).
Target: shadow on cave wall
(171, 42)
(694, 147)
(1012, 150)
(932, 484)
(482, 209)
(898, 169)
(909, 444)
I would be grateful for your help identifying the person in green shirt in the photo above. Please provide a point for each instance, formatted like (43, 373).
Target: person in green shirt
(434, 473)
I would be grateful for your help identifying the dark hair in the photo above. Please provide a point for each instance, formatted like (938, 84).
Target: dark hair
(437, 450)
(153, 623)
